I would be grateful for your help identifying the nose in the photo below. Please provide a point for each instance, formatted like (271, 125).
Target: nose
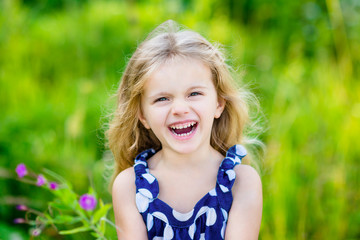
(180, 107)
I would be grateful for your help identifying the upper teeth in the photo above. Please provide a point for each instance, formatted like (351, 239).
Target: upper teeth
(183, 125)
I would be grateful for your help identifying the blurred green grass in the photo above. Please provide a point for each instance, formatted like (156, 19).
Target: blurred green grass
(60, 61)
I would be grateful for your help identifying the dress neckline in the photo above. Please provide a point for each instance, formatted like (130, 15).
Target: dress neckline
(151, 185)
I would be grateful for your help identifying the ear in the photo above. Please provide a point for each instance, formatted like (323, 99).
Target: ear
(220, 107)
(143, 120)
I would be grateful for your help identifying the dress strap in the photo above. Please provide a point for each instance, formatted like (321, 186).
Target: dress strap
(226, 175)
(146, 183)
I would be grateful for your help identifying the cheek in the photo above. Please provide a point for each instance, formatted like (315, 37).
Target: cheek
(156, 116)
(207, 107)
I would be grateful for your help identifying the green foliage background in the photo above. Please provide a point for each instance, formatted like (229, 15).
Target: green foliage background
(60, 61)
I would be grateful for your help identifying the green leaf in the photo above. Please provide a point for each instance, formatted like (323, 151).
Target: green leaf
(68, 196)
(102, 227)
(60, 206)
(101, 203)
(48, 216)
(61, 219)
(94, 234)
(57, 177)
(91, 191)
(75, 230)
(101, 212)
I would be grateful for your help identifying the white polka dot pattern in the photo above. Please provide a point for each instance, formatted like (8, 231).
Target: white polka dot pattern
(237, 159)
(231, 174)
(225, 215)
(223, 230)
(146, 193)
(149, 221)
(142, 202)
(139, 162)
(161, 216)
(150, 178)
(202, 210)
(210, 217)
(168, 232)
(182, 216)
(223, 188)
(192, 230)
(240, 150)
(213, 192)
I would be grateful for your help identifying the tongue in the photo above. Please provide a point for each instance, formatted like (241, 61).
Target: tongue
(183, 130)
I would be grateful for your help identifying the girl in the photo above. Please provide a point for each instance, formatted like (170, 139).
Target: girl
(173, 137)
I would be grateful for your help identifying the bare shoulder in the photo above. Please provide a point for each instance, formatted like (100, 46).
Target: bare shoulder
(127, 218)
(246, 210)
(247, 188)
(124, 182)
(247, 178)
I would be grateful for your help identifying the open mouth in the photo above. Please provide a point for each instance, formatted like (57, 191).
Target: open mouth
(182, 131)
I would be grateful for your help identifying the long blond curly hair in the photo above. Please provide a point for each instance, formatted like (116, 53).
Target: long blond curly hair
(127, 136)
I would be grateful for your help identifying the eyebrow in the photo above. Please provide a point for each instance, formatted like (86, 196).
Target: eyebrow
(166, 93)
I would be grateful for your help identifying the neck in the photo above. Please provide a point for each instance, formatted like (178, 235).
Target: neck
(179, 161)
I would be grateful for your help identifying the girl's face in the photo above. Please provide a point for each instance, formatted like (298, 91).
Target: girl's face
(179, 104)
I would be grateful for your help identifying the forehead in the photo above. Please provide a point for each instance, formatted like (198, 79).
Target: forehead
(179, 73)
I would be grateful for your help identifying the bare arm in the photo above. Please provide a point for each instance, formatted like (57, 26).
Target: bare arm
(129, 222)
(246, 210)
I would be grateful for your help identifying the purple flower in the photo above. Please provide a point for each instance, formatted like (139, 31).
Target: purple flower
(21, 170)
(40, 180)
(19, 220)
(22, 207)
(36, 232)
(53, 185)
(87, 202)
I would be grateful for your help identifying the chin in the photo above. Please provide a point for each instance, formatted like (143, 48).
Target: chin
(185, 148)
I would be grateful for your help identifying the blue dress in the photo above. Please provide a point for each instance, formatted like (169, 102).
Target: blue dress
(208, 218)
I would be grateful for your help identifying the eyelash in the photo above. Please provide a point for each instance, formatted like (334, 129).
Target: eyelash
(159, 99)
(162, 99)
(197, 93)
